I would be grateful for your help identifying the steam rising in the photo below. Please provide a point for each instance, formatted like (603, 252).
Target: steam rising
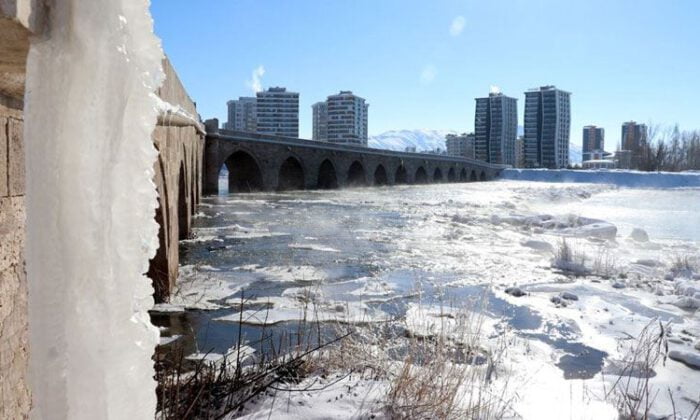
(255, 83)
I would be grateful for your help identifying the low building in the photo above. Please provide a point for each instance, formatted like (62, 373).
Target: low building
(623, 159)
(599, 164)
(461, 145)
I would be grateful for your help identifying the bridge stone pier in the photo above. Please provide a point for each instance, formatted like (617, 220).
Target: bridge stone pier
(257, 162)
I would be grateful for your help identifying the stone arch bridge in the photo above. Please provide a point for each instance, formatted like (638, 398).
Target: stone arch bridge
(258, 162)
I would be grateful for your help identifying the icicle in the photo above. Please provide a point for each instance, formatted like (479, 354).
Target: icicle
(89, 115)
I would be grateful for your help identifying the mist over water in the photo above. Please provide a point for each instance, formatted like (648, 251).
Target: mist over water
(368, 254)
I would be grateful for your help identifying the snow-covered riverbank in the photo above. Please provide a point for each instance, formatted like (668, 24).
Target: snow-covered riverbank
(391, 253)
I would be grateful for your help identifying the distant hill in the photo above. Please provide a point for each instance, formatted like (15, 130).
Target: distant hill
(574, 153)
(422, 140)
(426, 140)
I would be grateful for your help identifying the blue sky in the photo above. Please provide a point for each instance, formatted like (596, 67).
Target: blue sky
(420, 64)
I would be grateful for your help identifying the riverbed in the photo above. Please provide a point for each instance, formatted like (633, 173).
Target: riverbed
(376, 254)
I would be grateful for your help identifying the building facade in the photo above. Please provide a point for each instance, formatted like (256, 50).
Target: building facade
(346, 119)
(277, 112)
(320, 121)
(242, 114)
(593, 142)
(547, 127)
(634, 137)
(519, 152)
(495, 128)
(461, 145)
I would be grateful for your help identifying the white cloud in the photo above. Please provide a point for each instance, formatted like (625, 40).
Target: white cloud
(255, 82)
(428, 74)
(457, 25)
(494, 89)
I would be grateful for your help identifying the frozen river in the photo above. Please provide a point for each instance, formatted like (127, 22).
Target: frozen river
(373, 254)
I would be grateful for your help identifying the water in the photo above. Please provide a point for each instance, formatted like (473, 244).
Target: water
(383, 248)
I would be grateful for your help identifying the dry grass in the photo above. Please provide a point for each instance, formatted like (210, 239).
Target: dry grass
(212, 390)
(447, 374)
(632, 392)
(569, 260)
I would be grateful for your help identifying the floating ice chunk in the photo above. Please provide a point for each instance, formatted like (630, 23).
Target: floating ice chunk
(691, 359)
(233, 354)
(164, 341)
(542, 246)
(648, 262)
(569, 296)
(602, 230)
(639, 235)
(515, 291)
(312, 247)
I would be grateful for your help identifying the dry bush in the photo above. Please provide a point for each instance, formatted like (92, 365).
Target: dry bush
(212, 390)
(447, 373)
(605, 264)
(632, 392)
(684, 266)
(569, 259)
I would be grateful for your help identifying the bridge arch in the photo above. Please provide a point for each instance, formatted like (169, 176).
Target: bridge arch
(244, 174)
(401, 176)
(380, 177)
(356, 175)
(482, 177)
(472, 177)
(463, 175)
(327, 177)
(437, 175)
(290, 175)
(421, 176)
(451, 175)
(159, 269)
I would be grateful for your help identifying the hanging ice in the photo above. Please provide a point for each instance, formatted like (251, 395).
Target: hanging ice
(89, 112)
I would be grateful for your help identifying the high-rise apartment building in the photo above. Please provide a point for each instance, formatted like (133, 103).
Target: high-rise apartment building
(634, 137)
(278, 112)
(547, 127)
(242, 114)
(495, 128)
(346, 119)
(461, 145)
(593, 142)
(519, 152)
(320, 121)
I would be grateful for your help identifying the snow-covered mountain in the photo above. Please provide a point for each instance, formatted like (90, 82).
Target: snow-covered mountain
(574, 153)
(422, 140)
(426, 140)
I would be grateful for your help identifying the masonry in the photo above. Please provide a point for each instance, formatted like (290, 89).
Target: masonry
(19, 20)
(268, 163)
(179, 137)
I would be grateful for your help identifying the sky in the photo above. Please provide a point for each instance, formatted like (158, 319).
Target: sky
(421, 63)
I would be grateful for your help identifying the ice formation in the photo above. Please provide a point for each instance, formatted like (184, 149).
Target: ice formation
(90, 110)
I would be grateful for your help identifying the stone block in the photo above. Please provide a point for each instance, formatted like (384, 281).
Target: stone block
(15, 157)
(4, 192)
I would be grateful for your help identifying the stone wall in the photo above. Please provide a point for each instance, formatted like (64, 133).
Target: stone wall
(178, 180)
(14, 395)
(18, 20)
